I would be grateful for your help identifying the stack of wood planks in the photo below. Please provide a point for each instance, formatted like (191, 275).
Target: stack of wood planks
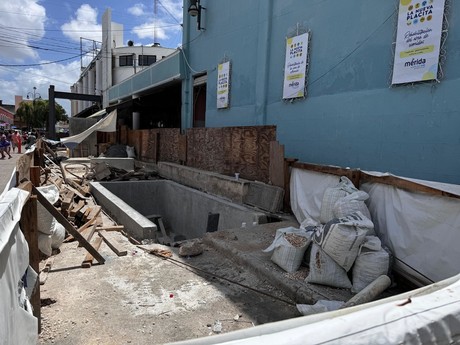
(78, 212)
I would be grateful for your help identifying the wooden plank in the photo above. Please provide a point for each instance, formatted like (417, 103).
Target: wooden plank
(111, 228)
(95, 211)
(406, 185)
(352, 174)
(276, 169)
(69, 227)
(28, 224)
(88, 233)
(35, 176)
(43, 276)
(80, 195)
(68, 200)
(113, 243)
(88, 261)
(84, 191)
(76, 208)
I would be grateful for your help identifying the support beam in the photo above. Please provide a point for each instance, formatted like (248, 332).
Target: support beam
(66, 95)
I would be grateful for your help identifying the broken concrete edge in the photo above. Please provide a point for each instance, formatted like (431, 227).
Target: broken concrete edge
(136, 225)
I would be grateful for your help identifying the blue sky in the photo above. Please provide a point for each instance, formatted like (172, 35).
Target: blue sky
(40, 40)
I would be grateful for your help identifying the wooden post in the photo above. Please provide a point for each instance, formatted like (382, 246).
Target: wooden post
(35, 175)
(29, 226)
(287, 182)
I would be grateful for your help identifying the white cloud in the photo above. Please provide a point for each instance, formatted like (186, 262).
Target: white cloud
(166, 23)
(137, 10)
(83, 25)
(21, 23)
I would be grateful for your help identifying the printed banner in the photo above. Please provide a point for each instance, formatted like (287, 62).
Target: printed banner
(295, 66)
(418, 40)
(223, 85)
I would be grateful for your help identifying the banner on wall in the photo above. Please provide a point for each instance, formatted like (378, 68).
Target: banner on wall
(418, 40)
(295, 66)
(223, 85)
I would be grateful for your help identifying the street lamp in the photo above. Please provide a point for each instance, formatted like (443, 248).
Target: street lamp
(35, 95)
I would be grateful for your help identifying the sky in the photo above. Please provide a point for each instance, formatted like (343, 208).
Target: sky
(40, 41)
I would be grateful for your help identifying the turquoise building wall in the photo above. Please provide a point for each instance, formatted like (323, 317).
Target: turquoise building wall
(351, 116)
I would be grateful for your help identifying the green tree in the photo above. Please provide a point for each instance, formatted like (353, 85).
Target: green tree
(36, 113)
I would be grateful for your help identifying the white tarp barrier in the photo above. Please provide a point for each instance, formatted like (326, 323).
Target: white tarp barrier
(17, 326)
(421, 230)
(107, 124)
(425, 316)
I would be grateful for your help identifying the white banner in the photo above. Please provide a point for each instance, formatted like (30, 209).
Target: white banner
(223, 85)
(295, 66)
(418, 40)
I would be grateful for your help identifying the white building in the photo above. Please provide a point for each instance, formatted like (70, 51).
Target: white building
(115, 62)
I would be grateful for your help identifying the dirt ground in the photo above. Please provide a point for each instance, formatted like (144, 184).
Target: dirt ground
(143, 299)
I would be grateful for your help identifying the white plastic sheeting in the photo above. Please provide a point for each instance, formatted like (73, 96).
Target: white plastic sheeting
(430, 315)
(107, 124)
(17, 326)
(421, 230)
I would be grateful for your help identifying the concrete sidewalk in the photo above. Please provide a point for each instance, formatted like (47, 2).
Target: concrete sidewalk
(7, 167)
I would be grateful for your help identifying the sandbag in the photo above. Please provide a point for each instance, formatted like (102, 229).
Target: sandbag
(58, 236)
(341, 238)
(289, 247)
(369, 265)
(45, 220)
(324, 270)
(44, 244)
(130, 151)
(351, 203)
(331, 195)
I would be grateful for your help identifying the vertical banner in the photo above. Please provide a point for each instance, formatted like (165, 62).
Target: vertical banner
(223, 85)
(418, 40)
(295, 66)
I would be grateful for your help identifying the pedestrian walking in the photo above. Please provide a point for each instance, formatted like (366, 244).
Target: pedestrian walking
(5, 147)
(17, 141)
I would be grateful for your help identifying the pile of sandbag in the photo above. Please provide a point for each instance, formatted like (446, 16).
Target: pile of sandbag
(51, 234)
(345, 253)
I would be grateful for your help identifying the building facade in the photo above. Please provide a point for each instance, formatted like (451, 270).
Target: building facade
(351, 114)
(114, 62)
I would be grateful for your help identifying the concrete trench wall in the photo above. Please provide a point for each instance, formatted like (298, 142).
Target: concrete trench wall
(184, 210)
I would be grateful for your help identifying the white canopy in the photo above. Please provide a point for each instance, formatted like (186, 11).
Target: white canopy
(107, 124)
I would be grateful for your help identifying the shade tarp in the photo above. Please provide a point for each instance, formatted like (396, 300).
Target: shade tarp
(107, 124)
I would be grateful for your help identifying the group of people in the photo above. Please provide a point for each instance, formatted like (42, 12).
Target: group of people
(9, 142)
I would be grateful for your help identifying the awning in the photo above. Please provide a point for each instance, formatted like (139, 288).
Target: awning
(107, 124)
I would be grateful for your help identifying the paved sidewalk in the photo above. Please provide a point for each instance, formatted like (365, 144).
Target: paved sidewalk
(7, 167)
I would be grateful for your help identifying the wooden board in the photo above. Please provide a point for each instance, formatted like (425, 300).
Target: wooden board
(88, 261)
(276, 169)
(110, 238)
